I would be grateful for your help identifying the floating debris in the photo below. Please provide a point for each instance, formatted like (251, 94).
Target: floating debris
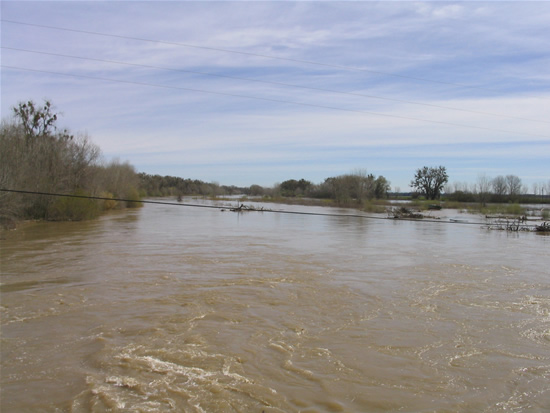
(404, 213)
(544, 227)
(244, 208)
(512, 225)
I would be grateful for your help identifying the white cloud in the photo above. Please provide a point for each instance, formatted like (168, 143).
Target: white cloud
(499, 48)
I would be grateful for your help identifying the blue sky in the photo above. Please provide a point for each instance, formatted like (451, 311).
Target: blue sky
(244, 93)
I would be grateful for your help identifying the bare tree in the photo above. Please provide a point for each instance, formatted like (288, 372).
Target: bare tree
(484, 186)
(499, 186)
(513, 185)
(362, 184)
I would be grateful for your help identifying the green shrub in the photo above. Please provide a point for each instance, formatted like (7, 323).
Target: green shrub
(108, 203)
(133, 198)
(375, 206)
(453, 204)
(73, 209)
(515, 209)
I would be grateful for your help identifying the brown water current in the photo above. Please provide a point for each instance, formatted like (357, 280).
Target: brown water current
(181, 309)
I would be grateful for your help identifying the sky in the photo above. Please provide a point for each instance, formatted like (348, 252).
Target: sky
(242, 93)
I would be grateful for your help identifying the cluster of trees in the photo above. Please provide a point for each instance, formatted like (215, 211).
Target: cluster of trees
(430, 183)
(507, 188)
(357, 186)
(35, 155)
(293, 188)
(353, 188)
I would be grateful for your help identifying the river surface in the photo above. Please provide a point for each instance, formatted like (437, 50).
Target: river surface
(182, 309)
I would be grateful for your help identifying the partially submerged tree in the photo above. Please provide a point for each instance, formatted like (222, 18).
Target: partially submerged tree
(430, 181)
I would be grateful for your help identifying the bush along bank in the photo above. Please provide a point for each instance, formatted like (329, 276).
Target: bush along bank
(37, 156)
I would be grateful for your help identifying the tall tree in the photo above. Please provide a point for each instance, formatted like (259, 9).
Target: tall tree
(38, 121)
(513, 185)
(499, 186)
(483, 187)
(35, 120)
(382, 187)
(430, 181)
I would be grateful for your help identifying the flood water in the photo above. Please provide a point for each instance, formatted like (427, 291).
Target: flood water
(182, 309)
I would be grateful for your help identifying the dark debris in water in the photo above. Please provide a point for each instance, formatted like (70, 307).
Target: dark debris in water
(404, 213)
(517, 225)
(244, 208)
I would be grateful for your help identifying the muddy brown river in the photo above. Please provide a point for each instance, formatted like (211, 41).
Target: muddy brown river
(182, 309)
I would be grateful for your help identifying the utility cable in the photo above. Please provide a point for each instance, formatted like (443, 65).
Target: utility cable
(274, 83)
(335, 66)
(364, 112)
(221, 207)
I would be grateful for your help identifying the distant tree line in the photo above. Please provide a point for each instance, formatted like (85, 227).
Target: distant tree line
(353, 188)
(508, 188)
(162, 186)
(430, 183)
(35, 155)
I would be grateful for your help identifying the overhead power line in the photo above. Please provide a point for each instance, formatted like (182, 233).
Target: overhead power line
(222, 207)
(275, 83)
(364, 112)
(217, 49)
